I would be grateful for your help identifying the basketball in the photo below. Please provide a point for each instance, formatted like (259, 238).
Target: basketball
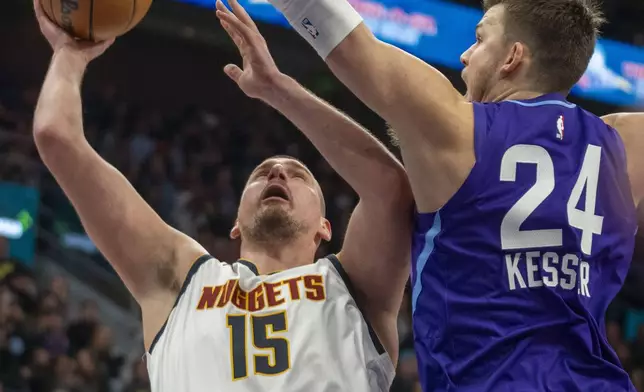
(96, 20)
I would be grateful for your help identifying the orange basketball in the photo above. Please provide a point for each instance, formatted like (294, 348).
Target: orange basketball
(96, 20)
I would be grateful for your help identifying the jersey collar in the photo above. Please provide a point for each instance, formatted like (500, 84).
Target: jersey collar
(542, 98)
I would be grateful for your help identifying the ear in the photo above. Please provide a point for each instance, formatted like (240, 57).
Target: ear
(516, 56)
(324, 232)
(235, 233)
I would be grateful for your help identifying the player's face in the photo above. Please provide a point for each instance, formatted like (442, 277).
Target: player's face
(280, 202)
(483, 60)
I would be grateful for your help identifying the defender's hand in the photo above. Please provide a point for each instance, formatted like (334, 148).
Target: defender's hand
(59, 39)
(258, 74)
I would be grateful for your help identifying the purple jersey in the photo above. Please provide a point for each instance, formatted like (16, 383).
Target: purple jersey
(512, 277)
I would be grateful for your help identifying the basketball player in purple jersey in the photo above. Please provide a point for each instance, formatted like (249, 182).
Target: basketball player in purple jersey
(526, 215)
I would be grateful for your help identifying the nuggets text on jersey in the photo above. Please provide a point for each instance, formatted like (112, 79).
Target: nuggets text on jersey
(265, 295)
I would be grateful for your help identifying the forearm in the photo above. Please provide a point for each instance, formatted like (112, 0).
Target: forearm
(59, 108)
(365, 65)
(384, 77)
(340, 37)
(414, 98)
(351, 150)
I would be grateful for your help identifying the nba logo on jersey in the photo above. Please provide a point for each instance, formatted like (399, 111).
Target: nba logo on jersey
(560, 127)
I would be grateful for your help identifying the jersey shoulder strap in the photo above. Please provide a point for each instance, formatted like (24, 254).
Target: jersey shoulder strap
(191, 273)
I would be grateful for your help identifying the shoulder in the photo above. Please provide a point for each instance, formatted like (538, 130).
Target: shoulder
(627, 124)
(208, 265)
(628, 129)
(611, 119)
(332, 261)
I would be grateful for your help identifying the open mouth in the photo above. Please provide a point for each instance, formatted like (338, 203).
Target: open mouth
(275, 192)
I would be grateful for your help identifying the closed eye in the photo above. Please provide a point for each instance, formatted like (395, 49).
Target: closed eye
(261, 173)
(296, 172)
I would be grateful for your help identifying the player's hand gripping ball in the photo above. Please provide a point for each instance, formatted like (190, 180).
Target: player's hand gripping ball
(96, 20)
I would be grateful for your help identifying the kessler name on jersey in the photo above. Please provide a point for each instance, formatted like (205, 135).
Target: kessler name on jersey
(265, 296)
(549, 269)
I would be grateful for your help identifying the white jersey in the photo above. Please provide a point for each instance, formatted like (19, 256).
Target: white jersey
(234, 330)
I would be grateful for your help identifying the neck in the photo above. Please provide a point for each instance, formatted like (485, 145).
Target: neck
(506, 92)
(269, 258)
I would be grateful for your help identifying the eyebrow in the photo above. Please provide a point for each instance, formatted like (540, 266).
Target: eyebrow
(292, 165)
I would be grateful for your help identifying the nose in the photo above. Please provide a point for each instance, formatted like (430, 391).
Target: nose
(277, 172)
(465, 57)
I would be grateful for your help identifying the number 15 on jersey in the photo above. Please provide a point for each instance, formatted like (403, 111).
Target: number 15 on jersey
(262, 331)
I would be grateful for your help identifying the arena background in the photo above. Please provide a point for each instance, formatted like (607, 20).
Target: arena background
(158, 107)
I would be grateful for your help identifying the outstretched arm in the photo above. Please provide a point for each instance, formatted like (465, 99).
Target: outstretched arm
(147, 254)
(376, 251)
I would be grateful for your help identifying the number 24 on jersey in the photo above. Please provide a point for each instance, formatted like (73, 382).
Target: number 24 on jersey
(512, 237)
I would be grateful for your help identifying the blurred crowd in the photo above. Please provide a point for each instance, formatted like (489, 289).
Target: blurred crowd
(629, 351)
(45, 346)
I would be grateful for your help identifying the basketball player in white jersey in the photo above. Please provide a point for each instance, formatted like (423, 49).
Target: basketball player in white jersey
(275, 320)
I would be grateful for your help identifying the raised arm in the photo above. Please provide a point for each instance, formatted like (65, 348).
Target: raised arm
(376, 250)
(150, 256)
(416, 99)
(433, 122)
